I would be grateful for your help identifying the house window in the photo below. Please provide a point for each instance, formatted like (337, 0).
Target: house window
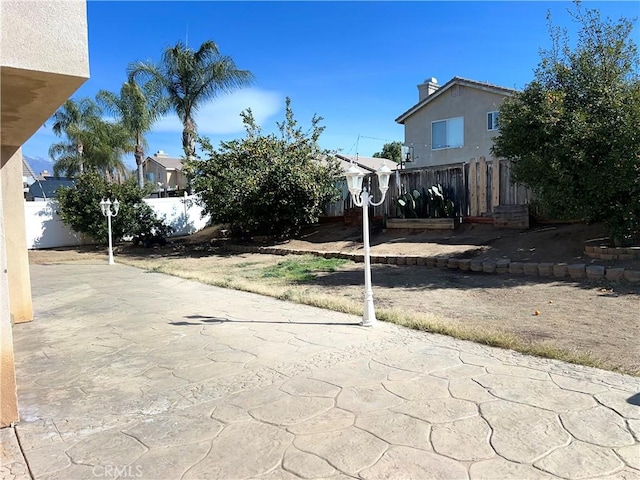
(492, 120)
(447, 133)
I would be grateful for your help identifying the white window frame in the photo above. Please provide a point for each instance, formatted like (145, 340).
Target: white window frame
(447, 122)
(494, 120)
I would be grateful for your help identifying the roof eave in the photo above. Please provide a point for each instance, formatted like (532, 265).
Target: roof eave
(464, 81)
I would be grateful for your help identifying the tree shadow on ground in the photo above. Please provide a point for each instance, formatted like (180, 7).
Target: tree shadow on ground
(171, 251)
(634, 399)
(207, 320)
(465, 234)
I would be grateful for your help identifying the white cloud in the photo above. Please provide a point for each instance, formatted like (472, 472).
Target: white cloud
(221, 116)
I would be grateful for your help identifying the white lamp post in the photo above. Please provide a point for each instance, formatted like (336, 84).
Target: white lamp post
(105, 206)
(362, 198)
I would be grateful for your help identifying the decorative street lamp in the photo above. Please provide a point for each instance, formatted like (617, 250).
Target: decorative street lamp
(362, 198)
(105, 206)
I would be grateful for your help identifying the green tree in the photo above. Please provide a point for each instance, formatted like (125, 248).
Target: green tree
(267, 184)
(391, 151)
(136, 108)
(71, 120)
(80, 208)
(89, 142)
(110, 141)
(572, 133)
(189, 78)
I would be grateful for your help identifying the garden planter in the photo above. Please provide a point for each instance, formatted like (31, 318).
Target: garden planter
(423, 223)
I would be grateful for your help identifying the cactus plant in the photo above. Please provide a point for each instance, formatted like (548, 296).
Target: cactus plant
(426, 203)
(407, 205)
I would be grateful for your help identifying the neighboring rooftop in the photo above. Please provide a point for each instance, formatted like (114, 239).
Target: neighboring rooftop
(371, 164)
(47, 188)
(166, 161)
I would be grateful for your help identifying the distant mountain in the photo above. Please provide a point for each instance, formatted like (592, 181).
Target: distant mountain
(39, 164)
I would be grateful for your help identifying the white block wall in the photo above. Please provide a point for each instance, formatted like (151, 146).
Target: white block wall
(46, 230)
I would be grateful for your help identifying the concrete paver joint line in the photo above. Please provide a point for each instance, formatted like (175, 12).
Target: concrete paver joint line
(288, 391)
(13, 461)
(26, 461)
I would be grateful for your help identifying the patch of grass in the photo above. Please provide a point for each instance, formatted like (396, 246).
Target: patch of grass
(493, 338)
(302, 269)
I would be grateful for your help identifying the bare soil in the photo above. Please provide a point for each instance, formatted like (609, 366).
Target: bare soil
(544, 243)
(600, 319)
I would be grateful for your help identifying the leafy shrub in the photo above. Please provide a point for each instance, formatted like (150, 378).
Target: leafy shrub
(572, 133)
(266, 184)
(80, 209)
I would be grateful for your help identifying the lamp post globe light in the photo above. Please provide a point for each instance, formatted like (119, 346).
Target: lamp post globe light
(362, 198)
(105, 207)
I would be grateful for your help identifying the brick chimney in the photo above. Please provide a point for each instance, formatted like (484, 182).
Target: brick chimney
(425, 89)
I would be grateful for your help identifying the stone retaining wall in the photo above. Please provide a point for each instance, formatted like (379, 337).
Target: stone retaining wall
(511, 216)
(613, 253)
(579, 271)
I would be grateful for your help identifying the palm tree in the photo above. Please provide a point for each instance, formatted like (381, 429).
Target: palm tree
(108, 143)
(189, 78)
(137, 108)
(90, 142)
(72, 120)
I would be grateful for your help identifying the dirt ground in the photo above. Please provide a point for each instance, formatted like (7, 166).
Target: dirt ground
(544, 243)
(601, 319)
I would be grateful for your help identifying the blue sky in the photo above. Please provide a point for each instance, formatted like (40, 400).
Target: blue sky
(357, 64)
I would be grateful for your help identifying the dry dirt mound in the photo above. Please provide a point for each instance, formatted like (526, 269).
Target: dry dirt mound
(544, 243)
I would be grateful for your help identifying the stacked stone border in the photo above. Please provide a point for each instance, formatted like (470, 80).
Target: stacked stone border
(612, 253)
(578, 271)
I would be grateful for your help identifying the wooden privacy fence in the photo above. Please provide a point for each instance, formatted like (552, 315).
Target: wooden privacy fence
(475, 187)
(490, 186)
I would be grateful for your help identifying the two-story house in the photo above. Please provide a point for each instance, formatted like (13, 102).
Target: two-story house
(452, 123)
(165, 173)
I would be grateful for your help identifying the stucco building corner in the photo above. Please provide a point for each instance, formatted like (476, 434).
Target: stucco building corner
(44, 58)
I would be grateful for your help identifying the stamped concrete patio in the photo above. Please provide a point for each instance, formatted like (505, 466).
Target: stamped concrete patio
(130, 374)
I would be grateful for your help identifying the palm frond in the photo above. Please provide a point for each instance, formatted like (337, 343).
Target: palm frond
(189, 78)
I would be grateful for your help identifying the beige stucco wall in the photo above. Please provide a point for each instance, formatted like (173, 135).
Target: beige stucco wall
(473, 105)
(8, 393)
(171, 179)
(44, 58)
(159, 173)
(48, 36)
(20, 304)
(176, 179)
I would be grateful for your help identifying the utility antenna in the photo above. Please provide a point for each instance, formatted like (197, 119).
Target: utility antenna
(186, 40)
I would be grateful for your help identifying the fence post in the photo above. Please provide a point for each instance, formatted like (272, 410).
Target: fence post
(495, 184)
(473, 188)
(482, 196)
